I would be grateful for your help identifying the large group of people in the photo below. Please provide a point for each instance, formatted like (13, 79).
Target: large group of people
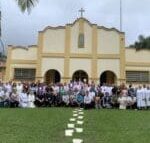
(74, 94)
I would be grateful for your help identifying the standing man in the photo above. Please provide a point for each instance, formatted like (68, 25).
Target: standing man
(139, 96)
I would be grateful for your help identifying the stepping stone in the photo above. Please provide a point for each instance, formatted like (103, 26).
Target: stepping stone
(75, 115)
(81, 113)
(71, 125)
(79, 130)
(69, 132)
(81, 108)
(77, 141)
(80, 122)
(75, 111)
(80, 117)
(72, 119)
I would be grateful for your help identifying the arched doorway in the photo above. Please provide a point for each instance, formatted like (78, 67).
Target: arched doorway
(80, 75)
(108, 77)
(52, 76)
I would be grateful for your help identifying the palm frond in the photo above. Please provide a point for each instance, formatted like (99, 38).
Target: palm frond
(26, 4)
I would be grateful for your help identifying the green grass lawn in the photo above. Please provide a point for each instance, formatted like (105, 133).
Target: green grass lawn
(47, 125)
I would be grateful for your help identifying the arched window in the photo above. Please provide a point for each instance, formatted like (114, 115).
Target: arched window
(81, 40)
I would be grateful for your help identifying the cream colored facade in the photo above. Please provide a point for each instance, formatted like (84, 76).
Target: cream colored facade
(58, 49)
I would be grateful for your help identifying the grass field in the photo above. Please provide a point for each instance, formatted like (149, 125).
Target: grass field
(47, 125)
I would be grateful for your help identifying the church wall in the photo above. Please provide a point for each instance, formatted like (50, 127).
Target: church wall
(88, 38)
(108, 65)
(138, 68)
(108, 42)
(52, 63)
(24, 53)
(76, 64)
(86, 29)
(137, 61)
(20, 57)
(74, 38)
(137, 56)
(23, 66)
(58, 49)
(54, 41)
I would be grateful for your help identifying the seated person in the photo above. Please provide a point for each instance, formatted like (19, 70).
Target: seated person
(2, 97)
(23, 99)
(31, 100)
(39, 100)
(65, 96)
(92, 94)
(14, 98)
(48, 96)
(98, 97)
(7, 99)
(87, 100)
(73, 100)
(80, 100)
(123, 99)
(107, 100)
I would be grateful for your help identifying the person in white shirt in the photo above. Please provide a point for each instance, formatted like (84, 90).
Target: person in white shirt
(87, 100)
(19, 88)
(31, 100)
(123, 99)
(23, 99)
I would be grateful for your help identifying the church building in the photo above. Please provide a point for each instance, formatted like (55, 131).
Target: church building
(78, 51)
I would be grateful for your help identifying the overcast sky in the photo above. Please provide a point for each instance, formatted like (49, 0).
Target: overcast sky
(22, 28)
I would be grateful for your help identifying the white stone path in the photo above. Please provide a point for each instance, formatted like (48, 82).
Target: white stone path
(77, 119)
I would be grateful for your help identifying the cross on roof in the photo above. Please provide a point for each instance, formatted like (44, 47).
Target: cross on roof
(81, 11)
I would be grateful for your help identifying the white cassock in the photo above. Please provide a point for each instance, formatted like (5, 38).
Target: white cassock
(23, 100)
(140, 98)
(31, 99)
(148, 97)
(144, 97)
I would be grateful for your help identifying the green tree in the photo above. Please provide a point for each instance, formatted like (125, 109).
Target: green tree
(26, 5)
(142, 43)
